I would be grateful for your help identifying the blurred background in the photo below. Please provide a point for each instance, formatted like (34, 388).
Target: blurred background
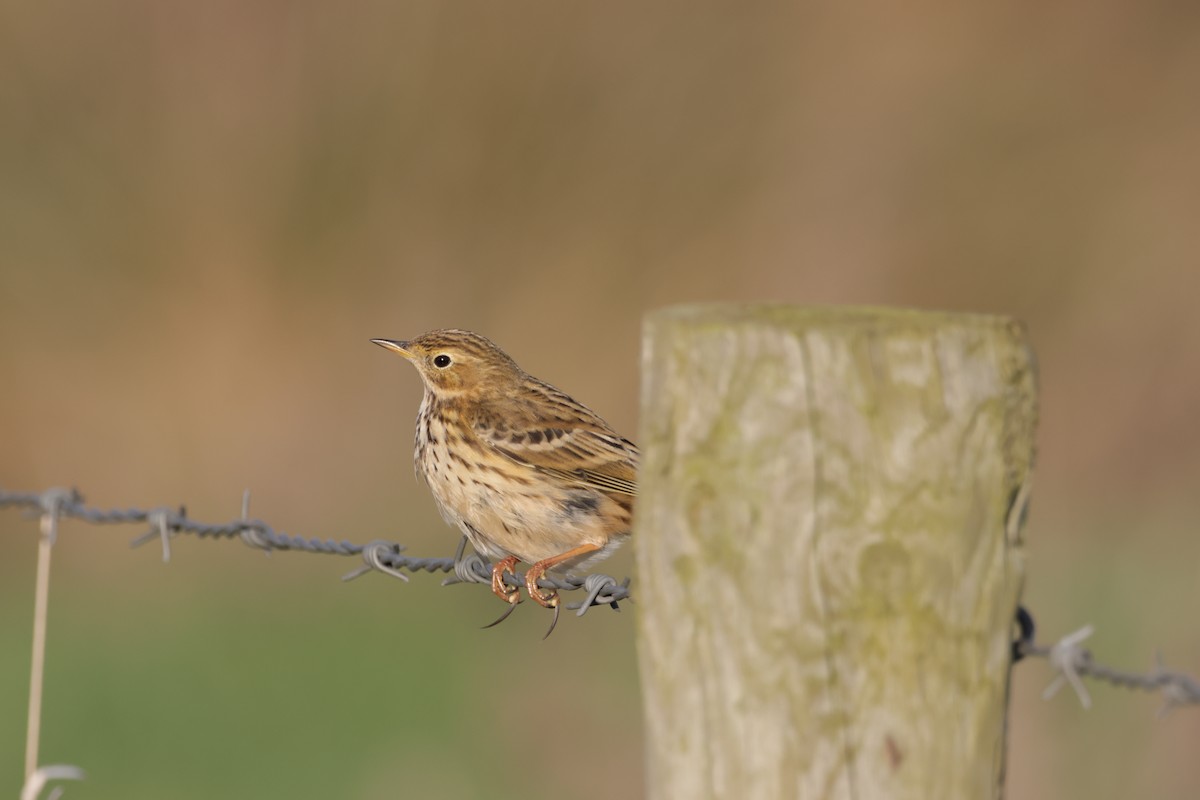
(206, 209)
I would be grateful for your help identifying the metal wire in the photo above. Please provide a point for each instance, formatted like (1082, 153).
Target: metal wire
(377, 556)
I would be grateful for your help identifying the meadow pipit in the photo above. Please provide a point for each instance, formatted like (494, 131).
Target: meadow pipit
(527, 473)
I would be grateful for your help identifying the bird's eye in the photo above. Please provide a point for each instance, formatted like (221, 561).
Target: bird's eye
(441, 361)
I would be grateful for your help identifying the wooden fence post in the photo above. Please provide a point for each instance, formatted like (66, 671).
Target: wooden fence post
(828, 550)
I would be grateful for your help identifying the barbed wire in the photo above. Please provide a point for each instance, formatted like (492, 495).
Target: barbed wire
(1070, 660)
(377, 556)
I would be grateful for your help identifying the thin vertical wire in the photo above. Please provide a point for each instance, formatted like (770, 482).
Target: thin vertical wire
(37, 668)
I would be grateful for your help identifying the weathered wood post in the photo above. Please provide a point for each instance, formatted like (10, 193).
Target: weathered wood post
(828, 550)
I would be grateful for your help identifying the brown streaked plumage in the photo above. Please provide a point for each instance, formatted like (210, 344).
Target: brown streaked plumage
(526, 472)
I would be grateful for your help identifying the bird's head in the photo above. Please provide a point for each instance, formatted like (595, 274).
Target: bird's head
(454, 361)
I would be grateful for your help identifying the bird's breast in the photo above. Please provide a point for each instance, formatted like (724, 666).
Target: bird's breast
(507, 507)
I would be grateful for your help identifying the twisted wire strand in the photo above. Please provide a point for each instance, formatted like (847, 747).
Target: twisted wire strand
(378, 556)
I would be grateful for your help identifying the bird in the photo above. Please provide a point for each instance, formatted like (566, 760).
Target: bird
(527, 473)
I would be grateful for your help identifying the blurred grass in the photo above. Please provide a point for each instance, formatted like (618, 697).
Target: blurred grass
(227, 674)
(206, 210)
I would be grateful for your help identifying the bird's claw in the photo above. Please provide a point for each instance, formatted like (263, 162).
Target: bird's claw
(504, 616)
(553, 622)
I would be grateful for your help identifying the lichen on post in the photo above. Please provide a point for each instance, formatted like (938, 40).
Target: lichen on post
(828, 550)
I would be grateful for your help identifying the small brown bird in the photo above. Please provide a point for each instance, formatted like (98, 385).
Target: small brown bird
(527, 473)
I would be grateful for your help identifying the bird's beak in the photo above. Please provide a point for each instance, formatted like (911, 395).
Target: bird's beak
(400, 348)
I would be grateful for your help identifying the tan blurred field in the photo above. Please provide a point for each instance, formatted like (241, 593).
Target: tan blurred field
(206, 210)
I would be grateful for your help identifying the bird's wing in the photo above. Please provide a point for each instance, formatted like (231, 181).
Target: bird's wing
(581, 450)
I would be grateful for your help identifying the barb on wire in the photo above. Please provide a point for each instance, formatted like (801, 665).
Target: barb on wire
(1072, 662)
(378, 556)
(51, 772)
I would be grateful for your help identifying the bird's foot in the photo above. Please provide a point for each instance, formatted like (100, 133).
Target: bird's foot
(547, 599)
(499, 586)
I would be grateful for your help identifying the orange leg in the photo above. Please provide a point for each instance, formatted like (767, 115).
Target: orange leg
(499, 587)
(550, 599)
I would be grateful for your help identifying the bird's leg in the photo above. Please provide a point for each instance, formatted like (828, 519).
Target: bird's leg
(550, 599)
(460, 551)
